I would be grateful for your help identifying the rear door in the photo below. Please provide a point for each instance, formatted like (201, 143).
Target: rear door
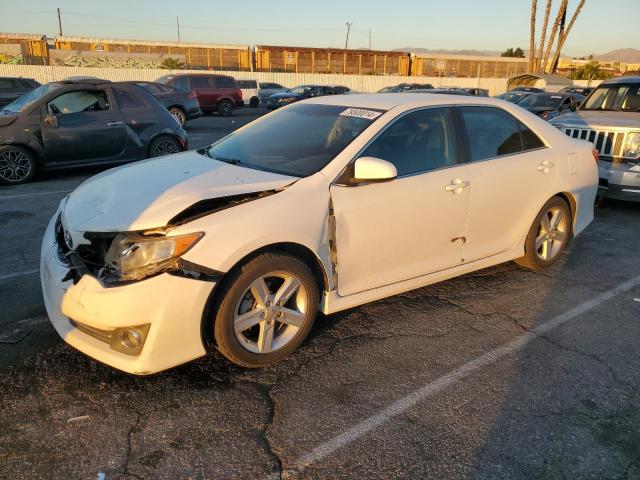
(89, 127)
(512, 175)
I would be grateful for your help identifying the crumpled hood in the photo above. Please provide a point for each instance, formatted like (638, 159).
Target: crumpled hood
(149, 193)
(599, 120)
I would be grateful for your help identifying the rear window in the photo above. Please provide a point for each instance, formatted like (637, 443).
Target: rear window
(226, 82)
(247, 84)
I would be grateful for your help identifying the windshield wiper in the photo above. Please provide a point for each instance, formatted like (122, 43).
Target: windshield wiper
(232, 161)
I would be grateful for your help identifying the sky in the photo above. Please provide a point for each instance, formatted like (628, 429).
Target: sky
(494, 25)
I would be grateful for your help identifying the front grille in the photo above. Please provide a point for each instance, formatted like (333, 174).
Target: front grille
(608, 143)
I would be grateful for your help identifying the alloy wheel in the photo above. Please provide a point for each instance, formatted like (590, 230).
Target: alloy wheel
(225, 108)
(179, 116)
(270, 312)
(552, 234)
(15, 166)
(165, 146)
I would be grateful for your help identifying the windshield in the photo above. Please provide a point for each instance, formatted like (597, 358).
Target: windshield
(20, 104)
(298, 140)
(614, 98)
(513, 97)
(299, 90)
(541, 100)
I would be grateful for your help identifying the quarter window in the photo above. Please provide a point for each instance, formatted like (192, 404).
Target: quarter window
(199, 82)
(530, 141)
(418, 142)
(79, 101)
(225, 82)
(491, 132)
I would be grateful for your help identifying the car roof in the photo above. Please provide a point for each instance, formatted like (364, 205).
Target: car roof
(621, 80)
(83, 81)
(387, 101)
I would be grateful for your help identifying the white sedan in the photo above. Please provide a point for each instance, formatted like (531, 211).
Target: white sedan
(321, 206)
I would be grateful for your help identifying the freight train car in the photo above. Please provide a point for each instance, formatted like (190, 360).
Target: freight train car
(195, 55)
(32, 48)
(326, 60)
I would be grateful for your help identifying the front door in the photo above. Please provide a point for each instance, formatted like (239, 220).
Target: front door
(87, 127)
(411, 226)
(512, 175)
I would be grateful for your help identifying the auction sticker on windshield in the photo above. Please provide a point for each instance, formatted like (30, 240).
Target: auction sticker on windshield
(361, 113)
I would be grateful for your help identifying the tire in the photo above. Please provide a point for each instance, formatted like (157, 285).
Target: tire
(179, 115)
(254, 102)
(225, 108)
(164, 145)
(548, 237)
(17, 165)
(273, 330)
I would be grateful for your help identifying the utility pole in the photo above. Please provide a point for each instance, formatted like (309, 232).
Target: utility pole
(369, 39)
(178, 24)
(59, 23)
(346, 43)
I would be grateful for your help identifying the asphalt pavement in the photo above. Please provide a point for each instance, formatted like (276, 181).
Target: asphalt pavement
(502, 373)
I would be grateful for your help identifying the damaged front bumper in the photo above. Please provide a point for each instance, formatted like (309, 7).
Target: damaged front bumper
(167, 308)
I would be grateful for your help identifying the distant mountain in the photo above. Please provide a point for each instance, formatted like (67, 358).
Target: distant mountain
(626, 55)
(448, 52)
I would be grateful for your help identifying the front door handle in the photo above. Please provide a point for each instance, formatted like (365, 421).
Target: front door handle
(545, 166)
(456, 186)
(114, 124)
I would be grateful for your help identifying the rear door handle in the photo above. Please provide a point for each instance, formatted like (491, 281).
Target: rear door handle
(545, 166)
(456, 186)
(113, 124)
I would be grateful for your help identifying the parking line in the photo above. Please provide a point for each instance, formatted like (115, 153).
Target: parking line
(455, 376)
(23, 195)
(18, 274)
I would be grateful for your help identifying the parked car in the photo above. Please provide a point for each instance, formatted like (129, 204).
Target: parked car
(610, 119)
(584, 91)
(514, 96)
(266, 89)
(439, 91)
(198, 256)
(405, 86)
(551, 105)
(73, 124)
(478, 92)
(215, 93)
(182, 105)
(528, 89)
(298, 93)
(250, 90)
(13, 87)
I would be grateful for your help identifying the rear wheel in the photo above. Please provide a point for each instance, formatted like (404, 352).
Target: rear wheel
(163, 145)
(225, 108)
(17, 165)
(254, 102)
(179, 115)
(548, 236)
(267, 309)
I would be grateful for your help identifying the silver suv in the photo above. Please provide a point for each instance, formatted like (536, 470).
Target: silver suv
(610, 119)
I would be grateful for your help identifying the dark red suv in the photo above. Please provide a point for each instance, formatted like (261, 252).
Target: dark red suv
(215, 93)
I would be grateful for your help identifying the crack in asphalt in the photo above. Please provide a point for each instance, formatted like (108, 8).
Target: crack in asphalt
(125, 466)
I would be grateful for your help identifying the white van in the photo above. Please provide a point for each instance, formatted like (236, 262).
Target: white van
(249, 92)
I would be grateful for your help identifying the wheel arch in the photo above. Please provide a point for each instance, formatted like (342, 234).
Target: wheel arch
(36, 155)
(297, 250)
(154, 137)
(571, 201)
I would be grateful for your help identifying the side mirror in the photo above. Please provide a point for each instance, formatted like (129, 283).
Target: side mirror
(372, 169)
(51, 120)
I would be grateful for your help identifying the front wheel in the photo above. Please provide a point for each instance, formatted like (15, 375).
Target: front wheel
(267, 309)
(225, 108)
(17, 165)
(548, 236)
(254, 102)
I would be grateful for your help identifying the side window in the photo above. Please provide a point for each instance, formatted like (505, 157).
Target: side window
(418, 142)
(181, 83)
(226, 82)
(492, 132)
(199, 82)
(530, 141)
(129, 98)
(6, 84)
(79, 101)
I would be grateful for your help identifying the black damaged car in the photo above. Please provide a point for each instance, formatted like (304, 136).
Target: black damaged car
(551, 105)
(81, 123)
(298, 93)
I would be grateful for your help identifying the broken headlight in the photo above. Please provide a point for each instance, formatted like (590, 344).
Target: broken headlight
(135, 256)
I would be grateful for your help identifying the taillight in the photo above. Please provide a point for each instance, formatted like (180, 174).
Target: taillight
(191, 94)
(596, 154)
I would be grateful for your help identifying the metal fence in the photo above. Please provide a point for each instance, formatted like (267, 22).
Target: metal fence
(361, 83)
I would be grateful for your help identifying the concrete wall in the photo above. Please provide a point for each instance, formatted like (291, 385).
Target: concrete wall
(361, 83)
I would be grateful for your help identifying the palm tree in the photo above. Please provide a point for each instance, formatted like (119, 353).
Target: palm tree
(543, 35)
(552, 37)
(562, 38)
(532, 38)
